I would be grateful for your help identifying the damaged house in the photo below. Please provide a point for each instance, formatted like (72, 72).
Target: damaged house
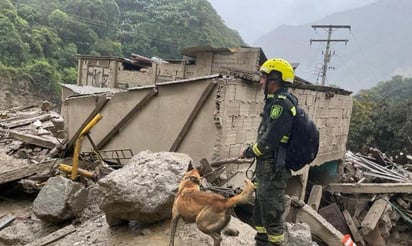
(206, 105)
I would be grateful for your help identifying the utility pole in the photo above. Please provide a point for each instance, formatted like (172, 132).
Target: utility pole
(328, 54)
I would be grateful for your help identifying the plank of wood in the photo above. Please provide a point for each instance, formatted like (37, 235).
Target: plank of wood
(6, 220)
(374, 214)
(315, 197)
(375, 238)
(30, 139)
(353, 229)
(374, 188)
(24, 171)
(26, 121)
(318, 225)
(53, 237)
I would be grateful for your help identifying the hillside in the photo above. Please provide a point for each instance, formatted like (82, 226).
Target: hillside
(41, 38)
(378, 46)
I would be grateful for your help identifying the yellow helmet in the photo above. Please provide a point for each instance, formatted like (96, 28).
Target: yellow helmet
(280, 65)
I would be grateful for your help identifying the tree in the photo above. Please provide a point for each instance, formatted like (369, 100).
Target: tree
(12, 48)
(59, 20)
(101, 15)
(44, 78)
(361, 128)
(45, 42)
(28, 13)
(6, 5)
(382, 117)
(107, 47)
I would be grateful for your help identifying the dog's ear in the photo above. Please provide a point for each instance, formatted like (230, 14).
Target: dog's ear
(190, 167)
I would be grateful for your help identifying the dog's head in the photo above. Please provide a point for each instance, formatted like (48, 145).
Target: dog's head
(191, 178)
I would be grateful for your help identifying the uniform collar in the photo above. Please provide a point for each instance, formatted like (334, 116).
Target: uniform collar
(278, 92)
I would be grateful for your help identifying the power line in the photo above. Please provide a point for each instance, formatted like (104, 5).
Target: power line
(327, 52)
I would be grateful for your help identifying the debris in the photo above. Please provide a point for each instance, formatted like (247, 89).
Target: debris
(59, 200)
(6, 220)
(334, 216)
(374, 214)
(315, 197)
(390, 172)
(53, 237)
(353, 228)
(42, 141)
(25, 171)
(319, 226)
(371, 188)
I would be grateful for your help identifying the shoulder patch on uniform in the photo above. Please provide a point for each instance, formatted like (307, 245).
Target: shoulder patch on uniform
(276, 111)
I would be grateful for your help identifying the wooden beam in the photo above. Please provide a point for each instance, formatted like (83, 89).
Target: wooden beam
(186, 127)
(24, 171)
(374, 214)
(100, 105)
(6, 220)
(205, 167)
(26, 121)
(318, 225)
(303, 181)
(53, 237)
(230, 161)
(139, 106)
(315, 197)
(353, 229)
(30, 139)
(375, 238)
(374, 188)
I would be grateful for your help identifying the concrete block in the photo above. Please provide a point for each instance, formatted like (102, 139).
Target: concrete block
(244, 108)
(231, 137)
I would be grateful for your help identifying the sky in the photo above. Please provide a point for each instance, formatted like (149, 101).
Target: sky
(254, 18)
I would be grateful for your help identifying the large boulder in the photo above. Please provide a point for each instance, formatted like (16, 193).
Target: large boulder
(59, 200)
(144, 189)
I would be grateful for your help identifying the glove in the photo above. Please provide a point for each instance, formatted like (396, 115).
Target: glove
(248, 152)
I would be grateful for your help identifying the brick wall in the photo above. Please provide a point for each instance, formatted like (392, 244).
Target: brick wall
(241, 103)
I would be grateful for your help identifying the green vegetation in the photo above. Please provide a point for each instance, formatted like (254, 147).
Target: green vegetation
(42, 37)
(382, 117)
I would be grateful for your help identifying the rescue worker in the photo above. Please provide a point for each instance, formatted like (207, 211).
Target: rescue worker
(270, 152)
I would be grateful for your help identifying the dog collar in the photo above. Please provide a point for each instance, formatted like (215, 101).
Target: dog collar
(194, 179)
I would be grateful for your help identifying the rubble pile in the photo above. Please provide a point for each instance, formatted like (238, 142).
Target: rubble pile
(371, 205)
(373, 202)
(31, 134)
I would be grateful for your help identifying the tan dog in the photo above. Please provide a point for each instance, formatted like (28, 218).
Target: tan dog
(210, 211)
